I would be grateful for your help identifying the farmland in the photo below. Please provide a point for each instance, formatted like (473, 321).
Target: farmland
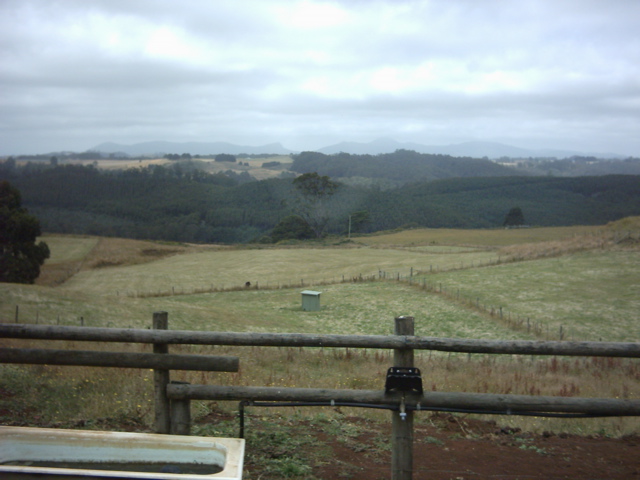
(583, 279)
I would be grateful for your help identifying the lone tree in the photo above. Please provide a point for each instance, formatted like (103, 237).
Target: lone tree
(20, 257)
(514, 218)
(315, 191)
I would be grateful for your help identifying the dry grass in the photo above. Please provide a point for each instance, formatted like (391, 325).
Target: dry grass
(627, 224)
(71, 254)
(254, 168)
(68, 248)
(107, 164)
(68, 254)
(478, 238)
(112, 252)
(73, 396)
(603, 239)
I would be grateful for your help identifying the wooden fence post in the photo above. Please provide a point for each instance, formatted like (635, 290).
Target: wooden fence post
(402, 422)
(161, 379)
(180, 414)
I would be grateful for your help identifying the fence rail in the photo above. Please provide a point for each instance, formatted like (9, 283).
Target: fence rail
(173, 337)
(478, 402)
(90, 358)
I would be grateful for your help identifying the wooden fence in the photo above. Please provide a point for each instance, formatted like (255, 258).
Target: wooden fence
(172, 400)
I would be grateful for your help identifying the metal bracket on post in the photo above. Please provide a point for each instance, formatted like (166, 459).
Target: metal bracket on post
(403, 379)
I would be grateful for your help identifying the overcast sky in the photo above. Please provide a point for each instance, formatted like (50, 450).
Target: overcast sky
(530, 73)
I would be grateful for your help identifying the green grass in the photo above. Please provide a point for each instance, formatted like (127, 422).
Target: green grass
(351, 308)
(592, 295)
(68, 248)
(266, 268)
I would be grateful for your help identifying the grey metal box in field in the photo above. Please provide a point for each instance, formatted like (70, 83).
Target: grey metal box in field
(310, 301)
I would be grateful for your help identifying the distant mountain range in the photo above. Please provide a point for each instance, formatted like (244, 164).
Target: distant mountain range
(475, 149)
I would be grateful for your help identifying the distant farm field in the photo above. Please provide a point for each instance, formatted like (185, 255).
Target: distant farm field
(273, 267)
(592, 295)
(480, 237)
(251, 165)
(69, 248)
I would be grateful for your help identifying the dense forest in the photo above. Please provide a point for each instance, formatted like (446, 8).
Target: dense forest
(577, 166)
(180, 202)
(400, 167)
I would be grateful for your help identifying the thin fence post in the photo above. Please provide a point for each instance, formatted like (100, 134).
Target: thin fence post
(161, 379)
(402, 425)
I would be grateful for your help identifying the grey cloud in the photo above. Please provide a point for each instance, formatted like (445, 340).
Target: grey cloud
(78, 73)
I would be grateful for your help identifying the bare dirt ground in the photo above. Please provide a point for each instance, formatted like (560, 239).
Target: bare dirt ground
(448, 447)
(456, 449)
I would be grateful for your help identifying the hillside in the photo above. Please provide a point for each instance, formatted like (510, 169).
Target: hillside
(545, 201)
(402, 166)
(180, 201)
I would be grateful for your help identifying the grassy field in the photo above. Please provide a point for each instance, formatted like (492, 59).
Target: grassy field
(485, 238)
(251, 165)
(268, 268)
(562, 279)
(567, 291)
(350, 308)
(65, 249)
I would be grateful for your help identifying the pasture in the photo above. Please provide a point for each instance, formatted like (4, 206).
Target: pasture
(251, 165)
(492, 238)
(592, 292)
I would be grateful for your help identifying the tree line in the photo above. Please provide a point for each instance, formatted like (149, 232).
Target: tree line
(399, 167)
(181, 202)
